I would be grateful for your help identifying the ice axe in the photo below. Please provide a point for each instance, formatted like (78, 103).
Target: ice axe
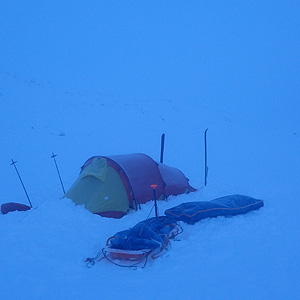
(154, 186)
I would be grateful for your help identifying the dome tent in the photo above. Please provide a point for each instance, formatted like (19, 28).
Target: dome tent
(111, 185)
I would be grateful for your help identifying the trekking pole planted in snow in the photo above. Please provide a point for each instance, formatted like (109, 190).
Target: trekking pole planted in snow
(14, 164)
(162, 147)
(53, 156)
(154, 186)
(205, 157)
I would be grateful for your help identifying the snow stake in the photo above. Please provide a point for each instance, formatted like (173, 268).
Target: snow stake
(205, 157)
(162, 147)
(154, 186)
(14, 164)
(53, 156)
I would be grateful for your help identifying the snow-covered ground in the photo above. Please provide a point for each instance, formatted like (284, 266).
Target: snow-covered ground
(242, 85)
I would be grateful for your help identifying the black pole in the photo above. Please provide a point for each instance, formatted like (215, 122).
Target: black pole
(205, 155)
(53, 156)
(14, 164)
(154, 186)
(162, 147)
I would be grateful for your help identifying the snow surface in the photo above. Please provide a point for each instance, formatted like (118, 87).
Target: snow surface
(109, 78)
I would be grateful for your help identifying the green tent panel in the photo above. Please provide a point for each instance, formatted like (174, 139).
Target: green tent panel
(100, 188)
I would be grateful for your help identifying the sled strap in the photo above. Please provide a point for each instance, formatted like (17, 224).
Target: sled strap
(109, 239)
(90, 262)
(164, 246)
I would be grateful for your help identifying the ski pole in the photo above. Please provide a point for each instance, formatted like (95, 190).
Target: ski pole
(14, 164)
(53, 156)
(162, 147)
(154, 186)
(205, 157)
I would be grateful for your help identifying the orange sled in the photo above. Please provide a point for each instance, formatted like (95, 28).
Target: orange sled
(131, 255)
